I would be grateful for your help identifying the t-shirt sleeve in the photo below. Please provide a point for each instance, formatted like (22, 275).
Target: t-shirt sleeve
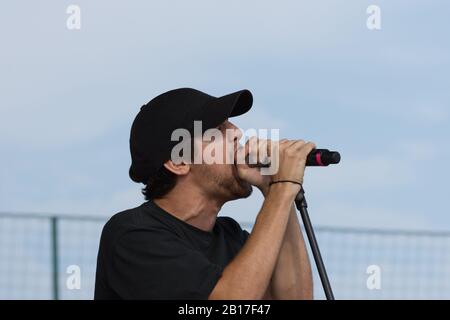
(235, 229)
(245, 235)
(155, 264)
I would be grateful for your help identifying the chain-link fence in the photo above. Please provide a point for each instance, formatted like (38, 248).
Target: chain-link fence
(39, 254)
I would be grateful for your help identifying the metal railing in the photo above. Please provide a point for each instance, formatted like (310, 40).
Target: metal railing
(37, 249)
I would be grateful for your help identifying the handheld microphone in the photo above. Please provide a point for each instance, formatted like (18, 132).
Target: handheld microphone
(316, 158)
(322, 158)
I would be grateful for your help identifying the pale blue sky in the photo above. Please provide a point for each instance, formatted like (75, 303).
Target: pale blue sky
(316, 72)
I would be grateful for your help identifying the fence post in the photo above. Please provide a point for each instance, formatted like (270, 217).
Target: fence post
(54, 257)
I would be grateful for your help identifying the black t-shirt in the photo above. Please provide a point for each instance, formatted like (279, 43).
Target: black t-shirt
(147, 253)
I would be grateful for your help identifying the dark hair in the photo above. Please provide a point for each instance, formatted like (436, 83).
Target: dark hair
(159, 184)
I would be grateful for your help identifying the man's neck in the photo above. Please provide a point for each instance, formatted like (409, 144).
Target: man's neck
(191, 207)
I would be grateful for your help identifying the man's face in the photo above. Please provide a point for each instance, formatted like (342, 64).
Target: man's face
(221, 179)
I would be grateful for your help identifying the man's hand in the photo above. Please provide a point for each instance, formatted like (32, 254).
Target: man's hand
(292, 160)
(253, 175)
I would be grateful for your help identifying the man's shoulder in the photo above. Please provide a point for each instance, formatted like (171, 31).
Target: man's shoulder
(125, 217)
(123, 221)
(141, 219)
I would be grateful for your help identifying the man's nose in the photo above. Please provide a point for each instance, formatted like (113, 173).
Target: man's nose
(238, 134)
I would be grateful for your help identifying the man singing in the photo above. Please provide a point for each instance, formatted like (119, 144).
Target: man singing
(174, 245)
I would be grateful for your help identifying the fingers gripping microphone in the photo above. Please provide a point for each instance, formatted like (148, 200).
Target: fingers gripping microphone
(316, 158)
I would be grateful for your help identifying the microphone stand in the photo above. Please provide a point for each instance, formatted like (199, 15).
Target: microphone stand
(300, 203)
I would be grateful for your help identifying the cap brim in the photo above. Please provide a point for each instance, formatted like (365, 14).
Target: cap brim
(231, 105)
(243, 101)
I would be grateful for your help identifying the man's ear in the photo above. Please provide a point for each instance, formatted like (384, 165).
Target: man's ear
(180, 169)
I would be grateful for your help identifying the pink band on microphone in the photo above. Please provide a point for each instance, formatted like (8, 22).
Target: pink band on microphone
(318, 159)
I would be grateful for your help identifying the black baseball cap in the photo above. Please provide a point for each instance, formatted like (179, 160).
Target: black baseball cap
(151, 131)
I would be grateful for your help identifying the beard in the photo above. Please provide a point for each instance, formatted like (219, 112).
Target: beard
(226, 182)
